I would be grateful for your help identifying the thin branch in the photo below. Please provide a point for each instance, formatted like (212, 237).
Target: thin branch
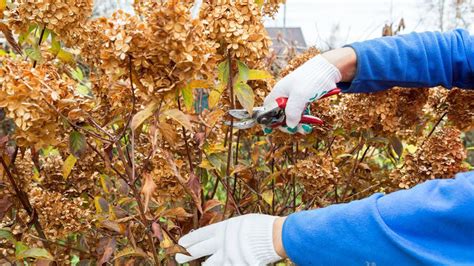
(434, 128)
(23, 197)
(226, 187)
(186, 143)
(39, 43)
(191, 168)
(132, 89)
(230, 87)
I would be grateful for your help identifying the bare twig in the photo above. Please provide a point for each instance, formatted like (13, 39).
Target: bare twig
(434, 128)
(23, 197)
(39, 43)
(191, 167)
(132, 89)
(230, 87)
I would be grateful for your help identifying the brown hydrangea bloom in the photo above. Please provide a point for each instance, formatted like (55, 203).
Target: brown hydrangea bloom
(82, 178)
(65, 18)
(29, 96)
(461, 108)
(442, 156)
(386, 111)
(271, 7)
(181, 40)
(436, 99)
(167, 49)
(261, 89)
(319, 176)
(59, 215)
(168, 188)
(237, 26)
(144, 7)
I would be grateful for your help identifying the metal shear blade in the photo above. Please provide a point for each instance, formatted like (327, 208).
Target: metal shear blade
(246, 120)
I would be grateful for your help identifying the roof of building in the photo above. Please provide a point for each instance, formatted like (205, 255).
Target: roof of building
(289, 36)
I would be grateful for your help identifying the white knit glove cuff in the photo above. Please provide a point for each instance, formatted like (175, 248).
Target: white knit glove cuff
(260, 239)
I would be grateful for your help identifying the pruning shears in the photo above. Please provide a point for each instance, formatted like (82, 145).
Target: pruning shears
(272, 116)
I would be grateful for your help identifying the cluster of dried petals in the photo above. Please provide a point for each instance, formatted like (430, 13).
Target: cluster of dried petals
(261, 89)
(145, 7)
(166, 49)
(298, 60)
(237, 26)
(387, 112)
(436, 100)
(168, 188)
(65, 18)
(442, 156)
(32, 97)
(461, 108)
(180, 41)
(271, 7)
(60, 215)
(106, 42)
(318, 174)
(82, 176)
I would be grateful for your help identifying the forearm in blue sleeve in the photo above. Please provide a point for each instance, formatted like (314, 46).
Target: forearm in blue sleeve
(430, 224)
(414, 60)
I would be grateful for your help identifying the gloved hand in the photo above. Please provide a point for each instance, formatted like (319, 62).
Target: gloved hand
(244, 240)
(307, 83)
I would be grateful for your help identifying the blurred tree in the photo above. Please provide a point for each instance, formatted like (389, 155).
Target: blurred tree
(448, 14)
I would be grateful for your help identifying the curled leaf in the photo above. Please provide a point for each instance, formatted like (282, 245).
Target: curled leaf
(148, 189)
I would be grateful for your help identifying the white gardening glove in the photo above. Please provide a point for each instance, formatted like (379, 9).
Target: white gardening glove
(307, 83)
(244, 240)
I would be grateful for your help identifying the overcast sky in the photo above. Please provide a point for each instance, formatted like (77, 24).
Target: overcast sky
(357, 19)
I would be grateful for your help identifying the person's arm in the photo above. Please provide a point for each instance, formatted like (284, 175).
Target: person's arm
(430, 224)
(414, 60)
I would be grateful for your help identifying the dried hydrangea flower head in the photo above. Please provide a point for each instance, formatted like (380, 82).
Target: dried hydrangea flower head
(181, 40)
(61, 215)
(318, 174)
(461, 108)
(237, 26)
(271, 7)
(65, 18)
(442, 156)
(29, 96)
(384, 112)
(166, 47)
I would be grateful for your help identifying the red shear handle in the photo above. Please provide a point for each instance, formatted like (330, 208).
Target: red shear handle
(312, 120)
(333, 92)
(282, 101)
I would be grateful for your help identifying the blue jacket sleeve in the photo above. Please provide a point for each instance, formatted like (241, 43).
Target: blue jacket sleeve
(430, 224)
(414, 60)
